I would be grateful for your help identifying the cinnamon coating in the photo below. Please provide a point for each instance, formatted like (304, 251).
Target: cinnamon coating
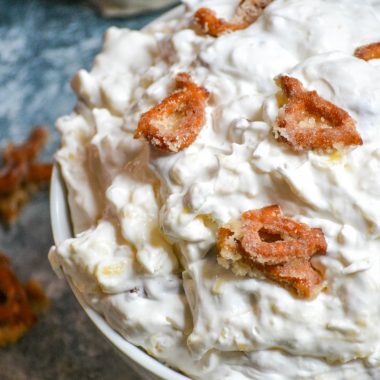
(246, 13)
(309, 122)
(266, 243)
(175, 123)
(368, 52)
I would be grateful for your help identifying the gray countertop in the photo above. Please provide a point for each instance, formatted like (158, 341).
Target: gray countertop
(42, 44)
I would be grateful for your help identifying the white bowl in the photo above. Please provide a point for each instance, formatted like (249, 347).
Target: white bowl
(145, 365)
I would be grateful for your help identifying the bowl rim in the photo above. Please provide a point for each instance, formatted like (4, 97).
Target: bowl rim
(62, 230)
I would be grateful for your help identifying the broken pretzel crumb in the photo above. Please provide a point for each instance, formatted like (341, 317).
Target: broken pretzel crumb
(19, 304)
(20, 175)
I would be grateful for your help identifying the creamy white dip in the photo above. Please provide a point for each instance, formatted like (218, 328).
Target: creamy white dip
(145, 221)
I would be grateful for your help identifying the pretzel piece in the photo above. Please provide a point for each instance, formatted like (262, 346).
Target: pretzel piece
(175, 123)
(368, 52)
(309, 122)
(247, 12)
(20, 175)
(266, 243)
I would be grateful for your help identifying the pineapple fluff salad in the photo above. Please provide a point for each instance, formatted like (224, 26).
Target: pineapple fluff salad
(145, 222)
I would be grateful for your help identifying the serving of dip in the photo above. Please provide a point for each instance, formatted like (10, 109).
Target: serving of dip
(146, 220)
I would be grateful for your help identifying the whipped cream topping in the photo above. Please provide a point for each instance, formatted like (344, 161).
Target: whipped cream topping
(145, 221)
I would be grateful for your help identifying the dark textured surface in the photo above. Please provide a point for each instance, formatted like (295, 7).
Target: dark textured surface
(42, 44)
